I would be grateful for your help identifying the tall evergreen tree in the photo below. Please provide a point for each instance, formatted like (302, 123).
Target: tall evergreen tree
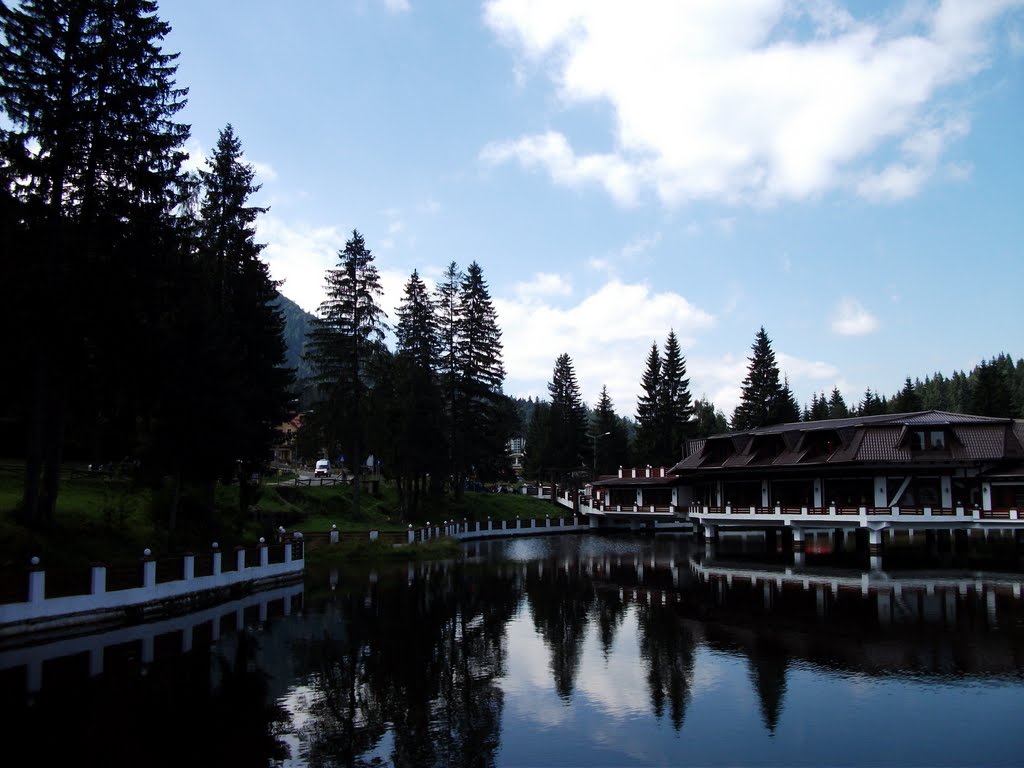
(787, 410)
(990, 393)
(760, 401)
(447, 307)
(481, 374)
(648, 409)
(837, 405)
(675, 402)
(612, 442)
(907, 401)
(85, 85)
(417, 402)
(819, 407)
(235, 348)
(568, 445)
(346, 342)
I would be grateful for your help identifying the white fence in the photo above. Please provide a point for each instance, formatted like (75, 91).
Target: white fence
(38, 612)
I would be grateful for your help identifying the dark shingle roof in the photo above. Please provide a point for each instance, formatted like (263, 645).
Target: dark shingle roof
(864, 440)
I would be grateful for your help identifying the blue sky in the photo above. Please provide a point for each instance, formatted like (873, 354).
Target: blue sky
(847, 175)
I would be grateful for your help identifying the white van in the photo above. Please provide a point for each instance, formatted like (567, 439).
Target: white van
(323, 468)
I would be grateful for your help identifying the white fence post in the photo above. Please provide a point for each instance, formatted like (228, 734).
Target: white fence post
(98, 580)
(240, 558)
(148, 570)
(36, 583)
(189, 568)
(217, 566)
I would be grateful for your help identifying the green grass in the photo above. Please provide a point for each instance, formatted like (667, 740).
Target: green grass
(348, 551)
(111, 520)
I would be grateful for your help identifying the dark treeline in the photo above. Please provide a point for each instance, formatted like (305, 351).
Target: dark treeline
(139, 314)
(146, 333)
(432, 411)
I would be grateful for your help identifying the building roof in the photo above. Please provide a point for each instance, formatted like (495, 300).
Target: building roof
(857, 440)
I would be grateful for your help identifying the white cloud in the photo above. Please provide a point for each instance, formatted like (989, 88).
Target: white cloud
(607, 334)
(551, 151)
(542, 285)
(640, 246)
(303, 254)
(852, 319)
(757, 100)
(397, 6)
(264, 171)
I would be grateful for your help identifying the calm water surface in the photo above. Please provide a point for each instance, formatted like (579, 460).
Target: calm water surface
(569, 650)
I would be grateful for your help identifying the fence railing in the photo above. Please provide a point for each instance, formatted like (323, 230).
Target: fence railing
(958, 512)
(63, 598)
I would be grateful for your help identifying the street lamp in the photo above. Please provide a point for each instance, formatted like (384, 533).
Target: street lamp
(595, 438)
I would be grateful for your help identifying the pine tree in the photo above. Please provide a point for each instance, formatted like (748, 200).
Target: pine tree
(417, 409)
(759, 404)
(244, 390)
(819, 407)
(675, 402)
(346, 342)
(787, 410)
(837, 406)
(481, 374)
(446, 305)
(612, 442)
(648, 409)
(907, 401)
(990, 393)
(568, 445)
(87, 84)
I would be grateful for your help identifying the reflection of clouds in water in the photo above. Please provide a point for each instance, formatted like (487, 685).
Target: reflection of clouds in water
(707, 674)
(296, 703)
(528, 685)
(617, 684)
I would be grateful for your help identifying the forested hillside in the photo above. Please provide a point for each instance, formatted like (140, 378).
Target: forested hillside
(297, 325)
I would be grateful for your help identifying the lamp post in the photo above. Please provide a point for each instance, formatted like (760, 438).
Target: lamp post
(595, 439)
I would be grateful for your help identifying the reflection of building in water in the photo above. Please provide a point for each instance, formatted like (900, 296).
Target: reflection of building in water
(179, 632)
(934, 623)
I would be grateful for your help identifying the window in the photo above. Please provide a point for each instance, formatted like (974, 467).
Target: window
(923, 440)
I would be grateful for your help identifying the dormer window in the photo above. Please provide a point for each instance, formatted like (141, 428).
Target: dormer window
(926, 440)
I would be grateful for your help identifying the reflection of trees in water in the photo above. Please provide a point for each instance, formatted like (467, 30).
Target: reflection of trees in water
(768, 663)
(171, 712)
(560, 601)
(609, 611)
(420, 657)
(667, 648)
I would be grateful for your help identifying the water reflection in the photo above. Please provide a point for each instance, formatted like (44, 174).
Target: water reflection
(567, 650)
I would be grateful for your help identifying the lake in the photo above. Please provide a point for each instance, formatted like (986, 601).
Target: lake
(561, 650)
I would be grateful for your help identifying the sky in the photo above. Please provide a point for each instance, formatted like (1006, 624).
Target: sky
(847, 175)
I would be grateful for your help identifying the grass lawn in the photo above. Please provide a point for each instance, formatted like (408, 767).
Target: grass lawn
(111, 520)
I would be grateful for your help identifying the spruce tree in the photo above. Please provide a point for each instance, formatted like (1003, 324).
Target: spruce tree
(648, 409)
(245, 348)
(837, 405)
(787, 410)
(612, 442)
(907, 401)
(345, 345)
(446, 305)
(760, 401)
(990, 392)
(568, 444)
(85, 85)
(480, 375)
(675, 402)
(417, 409)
